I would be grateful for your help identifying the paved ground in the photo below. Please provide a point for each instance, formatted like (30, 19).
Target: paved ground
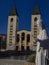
(14, 62)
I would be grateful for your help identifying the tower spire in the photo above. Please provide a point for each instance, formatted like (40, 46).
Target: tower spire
(36, 9)
(14, 10)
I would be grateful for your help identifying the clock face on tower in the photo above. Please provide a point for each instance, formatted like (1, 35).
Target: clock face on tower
(35, 19)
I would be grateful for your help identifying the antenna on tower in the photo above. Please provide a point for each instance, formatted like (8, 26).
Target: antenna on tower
(36, 1)
(14, 2)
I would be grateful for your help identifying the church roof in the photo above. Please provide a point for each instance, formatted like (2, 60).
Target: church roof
(36, 10)
(14, 11)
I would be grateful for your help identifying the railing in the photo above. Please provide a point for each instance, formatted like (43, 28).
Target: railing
(14, 62)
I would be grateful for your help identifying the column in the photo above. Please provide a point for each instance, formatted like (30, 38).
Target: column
(20, 43)
(25, 40)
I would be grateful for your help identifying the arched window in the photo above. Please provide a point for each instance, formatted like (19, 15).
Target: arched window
(11, 19)
(0, 42)
(28, 37)
(23, 36)
(35, 19)
(18, 37)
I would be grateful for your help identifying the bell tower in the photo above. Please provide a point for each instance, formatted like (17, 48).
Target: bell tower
(34, 27)
(12, 29)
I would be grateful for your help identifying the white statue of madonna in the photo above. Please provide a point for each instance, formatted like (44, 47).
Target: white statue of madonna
(41, 36)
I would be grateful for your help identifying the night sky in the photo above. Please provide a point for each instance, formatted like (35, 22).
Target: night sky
(25, 9)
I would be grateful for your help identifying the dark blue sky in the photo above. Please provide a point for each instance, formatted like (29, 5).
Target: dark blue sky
(25, 9)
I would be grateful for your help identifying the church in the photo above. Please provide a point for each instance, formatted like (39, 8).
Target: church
(23, 39)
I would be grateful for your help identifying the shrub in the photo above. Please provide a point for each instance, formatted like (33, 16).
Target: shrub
(31, 58)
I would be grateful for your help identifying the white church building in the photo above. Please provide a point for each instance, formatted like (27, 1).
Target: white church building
(23, 39)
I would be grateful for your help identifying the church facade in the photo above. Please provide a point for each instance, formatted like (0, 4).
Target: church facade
(22, 40)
